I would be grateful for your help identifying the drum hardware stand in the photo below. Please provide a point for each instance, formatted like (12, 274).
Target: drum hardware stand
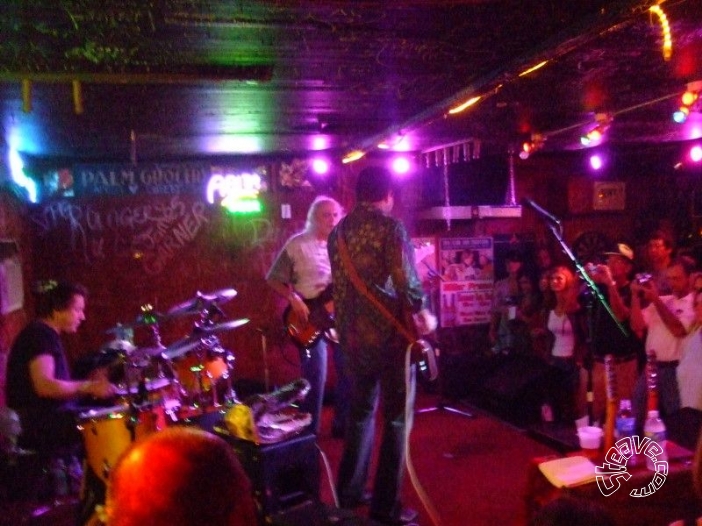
(264, 355)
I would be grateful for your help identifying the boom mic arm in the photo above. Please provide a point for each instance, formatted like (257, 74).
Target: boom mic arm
(544, 213)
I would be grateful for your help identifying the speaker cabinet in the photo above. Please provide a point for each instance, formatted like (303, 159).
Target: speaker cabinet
(283, 475)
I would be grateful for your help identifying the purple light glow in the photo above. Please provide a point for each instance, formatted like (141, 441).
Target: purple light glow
(320, 166)
(401, 165)
(696, 153)
(596, 162)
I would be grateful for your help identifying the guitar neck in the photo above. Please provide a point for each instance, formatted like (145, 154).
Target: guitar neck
(612, 402)
(652, 380)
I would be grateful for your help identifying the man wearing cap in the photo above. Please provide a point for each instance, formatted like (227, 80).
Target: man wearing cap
(665, 321)
(613, 279)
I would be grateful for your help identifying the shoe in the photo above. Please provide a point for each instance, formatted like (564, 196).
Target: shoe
(365, 500)
(407, 516)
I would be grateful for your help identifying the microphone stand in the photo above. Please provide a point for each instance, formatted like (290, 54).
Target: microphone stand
(440, 404)
(594, 293)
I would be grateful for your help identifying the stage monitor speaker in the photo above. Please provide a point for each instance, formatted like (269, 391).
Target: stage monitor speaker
(283, 475)
(516, 389)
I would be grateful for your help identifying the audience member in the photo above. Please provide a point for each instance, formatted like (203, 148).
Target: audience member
(614, 279)
(565, 324)
(689, 371)
(504, 305)
(665, 321)
(659, 255)
(181, 476)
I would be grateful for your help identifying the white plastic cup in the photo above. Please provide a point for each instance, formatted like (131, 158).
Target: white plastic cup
(590, 437)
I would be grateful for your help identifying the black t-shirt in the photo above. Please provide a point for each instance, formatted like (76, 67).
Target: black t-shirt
(607, 338)
(36, 339)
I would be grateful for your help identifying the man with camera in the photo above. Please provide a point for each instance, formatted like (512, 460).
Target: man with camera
(664, 321)
(614, 279)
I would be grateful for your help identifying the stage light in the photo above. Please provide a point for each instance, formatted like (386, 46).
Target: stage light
(596, 162)
(320, 166)
(353, 156)
(401, 165)
(696, 153)
(689, 102)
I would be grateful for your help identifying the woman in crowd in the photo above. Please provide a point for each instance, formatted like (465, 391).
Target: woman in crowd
(564, 327)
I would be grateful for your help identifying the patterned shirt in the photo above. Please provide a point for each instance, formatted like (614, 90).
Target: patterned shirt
(383, 256)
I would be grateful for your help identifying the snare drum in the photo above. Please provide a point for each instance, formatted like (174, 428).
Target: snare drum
(107, 434)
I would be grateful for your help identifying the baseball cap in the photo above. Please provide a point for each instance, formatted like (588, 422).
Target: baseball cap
(622, 250)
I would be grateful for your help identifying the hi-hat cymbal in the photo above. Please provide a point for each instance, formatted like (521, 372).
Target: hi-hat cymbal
(201, 301)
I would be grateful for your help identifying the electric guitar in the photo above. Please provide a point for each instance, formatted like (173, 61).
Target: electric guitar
(320, 322)
(652, 380)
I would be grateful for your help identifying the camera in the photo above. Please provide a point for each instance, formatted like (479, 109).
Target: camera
(642, 278)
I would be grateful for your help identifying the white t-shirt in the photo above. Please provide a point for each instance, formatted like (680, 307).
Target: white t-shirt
(303, 262)
(562, 329)
(659, 338)
(689, 372)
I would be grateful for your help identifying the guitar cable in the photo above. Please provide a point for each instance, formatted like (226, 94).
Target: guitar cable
(409, 420)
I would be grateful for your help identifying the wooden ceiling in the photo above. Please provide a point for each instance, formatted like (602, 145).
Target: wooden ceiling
(160, 80)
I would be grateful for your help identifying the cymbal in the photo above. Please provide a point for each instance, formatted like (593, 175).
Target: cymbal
(201, 301)
(184, 346)
(219, 327)
(142, 320)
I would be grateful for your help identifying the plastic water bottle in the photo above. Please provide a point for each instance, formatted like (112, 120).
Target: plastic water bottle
(654, 428)
(625, 423)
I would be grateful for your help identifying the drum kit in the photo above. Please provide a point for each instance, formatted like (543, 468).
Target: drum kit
(160, 385)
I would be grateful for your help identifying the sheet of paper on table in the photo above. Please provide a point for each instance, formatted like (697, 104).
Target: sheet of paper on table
(568, 471)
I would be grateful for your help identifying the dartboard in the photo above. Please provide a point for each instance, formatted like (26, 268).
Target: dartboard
(589, 245)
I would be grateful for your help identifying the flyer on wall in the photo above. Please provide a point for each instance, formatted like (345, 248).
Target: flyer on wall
(467, 280)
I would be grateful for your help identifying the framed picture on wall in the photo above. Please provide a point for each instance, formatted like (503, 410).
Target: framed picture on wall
(11, 290)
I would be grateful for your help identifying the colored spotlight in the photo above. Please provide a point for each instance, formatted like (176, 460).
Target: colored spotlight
(696, 153)
(596, 162)
(320, 166)
(401, 165)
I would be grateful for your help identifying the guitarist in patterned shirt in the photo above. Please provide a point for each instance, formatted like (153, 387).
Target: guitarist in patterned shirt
(301, 273)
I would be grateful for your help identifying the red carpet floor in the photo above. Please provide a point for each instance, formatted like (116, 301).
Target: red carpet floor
(472, 469)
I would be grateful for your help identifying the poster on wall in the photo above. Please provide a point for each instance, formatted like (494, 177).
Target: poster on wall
(467, 280)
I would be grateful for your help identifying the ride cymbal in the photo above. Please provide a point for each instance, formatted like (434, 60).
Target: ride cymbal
(219, 327)
(201, 301)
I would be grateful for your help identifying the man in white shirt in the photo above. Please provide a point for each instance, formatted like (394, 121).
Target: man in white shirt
(665, 321)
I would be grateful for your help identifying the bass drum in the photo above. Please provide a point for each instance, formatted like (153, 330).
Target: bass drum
(109, 431)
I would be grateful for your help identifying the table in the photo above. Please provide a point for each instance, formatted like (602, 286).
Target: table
(675, 500)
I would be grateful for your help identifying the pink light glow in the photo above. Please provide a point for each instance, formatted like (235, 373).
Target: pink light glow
(401, 165)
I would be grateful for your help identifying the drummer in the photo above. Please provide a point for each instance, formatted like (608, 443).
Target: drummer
(39, 386)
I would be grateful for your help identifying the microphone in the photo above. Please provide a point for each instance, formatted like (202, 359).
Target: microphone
(545, 213)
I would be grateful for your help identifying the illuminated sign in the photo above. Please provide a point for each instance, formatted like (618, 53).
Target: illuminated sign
(238, 193)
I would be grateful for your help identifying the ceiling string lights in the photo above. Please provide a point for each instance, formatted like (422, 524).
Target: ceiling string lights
(597, 132)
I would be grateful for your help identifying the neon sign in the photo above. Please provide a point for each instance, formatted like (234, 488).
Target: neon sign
(238, 193)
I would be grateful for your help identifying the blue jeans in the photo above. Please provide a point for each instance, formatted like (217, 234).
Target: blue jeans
(388, 385)
(668, 396)
(313, 365)
(342, 391)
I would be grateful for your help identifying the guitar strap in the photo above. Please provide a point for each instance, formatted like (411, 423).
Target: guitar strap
(423, 354)
(363, 288)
